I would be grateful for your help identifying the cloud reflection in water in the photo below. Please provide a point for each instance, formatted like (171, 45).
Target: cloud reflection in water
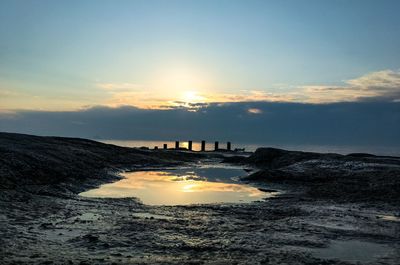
(181, 187)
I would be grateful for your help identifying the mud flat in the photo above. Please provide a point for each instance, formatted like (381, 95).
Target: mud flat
(329, 203)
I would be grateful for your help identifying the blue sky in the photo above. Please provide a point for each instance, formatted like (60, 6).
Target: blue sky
(66, 55)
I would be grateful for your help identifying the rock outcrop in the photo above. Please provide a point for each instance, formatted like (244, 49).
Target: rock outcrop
(353, 177)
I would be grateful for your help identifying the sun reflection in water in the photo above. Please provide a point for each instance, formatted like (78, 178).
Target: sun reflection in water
(189, 187)
(180, 188)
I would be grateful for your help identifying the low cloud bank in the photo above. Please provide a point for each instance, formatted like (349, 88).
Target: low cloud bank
(352, 123)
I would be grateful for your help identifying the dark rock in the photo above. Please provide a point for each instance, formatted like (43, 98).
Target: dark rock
(355, 177)
(276, 158)
(28, 160)
(91, 238)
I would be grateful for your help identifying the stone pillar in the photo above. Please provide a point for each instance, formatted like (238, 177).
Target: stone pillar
(203, 146)
(190, 145)
(165, 146)
(176, 144)
(228, 146)
(216, 145)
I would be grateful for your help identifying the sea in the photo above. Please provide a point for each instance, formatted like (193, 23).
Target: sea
(251, 147)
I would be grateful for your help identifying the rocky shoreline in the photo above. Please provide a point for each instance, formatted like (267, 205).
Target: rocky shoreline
(328, 199)
(343, 178)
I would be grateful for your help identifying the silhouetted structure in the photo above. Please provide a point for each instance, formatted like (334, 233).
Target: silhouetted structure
(155, 147)
(190, 145)
(203, 146)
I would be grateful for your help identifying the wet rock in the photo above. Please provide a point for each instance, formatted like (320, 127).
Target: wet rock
(91, 238)
(280, 230)
(46, 225)
(355, 177)
(29, 160)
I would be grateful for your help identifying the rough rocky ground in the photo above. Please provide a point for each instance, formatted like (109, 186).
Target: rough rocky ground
(343, 178)
(28, 160)
(44, 221)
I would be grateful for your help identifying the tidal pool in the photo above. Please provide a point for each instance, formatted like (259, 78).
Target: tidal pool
(182, 186)
(353, 251)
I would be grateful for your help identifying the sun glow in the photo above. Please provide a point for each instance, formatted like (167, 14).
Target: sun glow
(181, 82)
(189, 187)
(191, 96)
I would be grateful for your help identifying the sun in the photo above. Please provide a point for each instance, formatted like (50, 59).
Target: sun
(191, 96)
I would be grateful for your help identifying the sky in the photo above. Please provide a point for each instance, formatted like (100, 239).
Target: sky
(77, 56)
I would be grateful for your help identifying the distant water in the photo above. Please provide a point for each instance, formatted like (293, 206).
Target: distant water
(378, 150)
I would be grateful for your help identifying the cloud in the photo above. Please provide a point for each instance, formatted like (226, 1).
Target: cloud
(123, 94)
(375, 86)
(254, 111)
(382, 80)
(253, 95)
(351, 123)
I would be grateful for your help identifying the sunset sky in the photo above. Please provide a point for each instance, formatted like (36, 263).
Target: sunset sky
(277, 71)
(70, 55)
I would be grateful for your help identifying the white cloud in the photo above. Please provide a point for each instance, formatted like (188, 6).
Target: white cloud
(381, 80)
(253, 95)
(254, 111)
(381, 85)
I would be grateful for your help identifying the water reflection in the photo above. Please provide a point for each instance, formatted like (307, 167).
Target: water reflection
(181, 187)
(353, 251)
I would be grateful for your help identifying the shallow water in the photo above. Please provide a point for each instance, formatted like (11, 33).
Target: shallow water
(353, 251)
(152, 216)
(197, 185)
(391, 218)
